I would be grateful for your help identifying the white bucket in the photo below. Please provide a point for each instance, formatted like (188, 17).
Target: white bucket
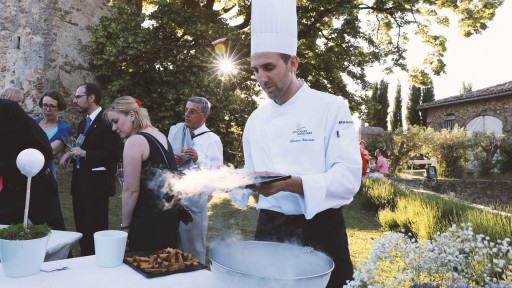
(109, 246)
(22, 258)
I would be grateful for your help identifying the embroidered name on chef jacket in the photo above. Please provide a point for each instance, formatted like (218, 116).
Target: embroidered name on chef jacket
(342, 122)
(301, 134)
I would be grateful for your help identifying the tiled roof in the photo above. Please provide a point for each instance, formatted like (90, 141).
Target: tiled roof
(493, 91)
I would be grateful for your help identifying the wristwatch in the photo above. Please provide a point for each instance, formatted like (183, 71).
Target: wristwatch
(124, 227)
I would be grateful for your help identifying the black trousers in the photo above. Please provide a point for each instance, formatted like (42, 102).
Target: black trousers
(325, 232)
(91, 215)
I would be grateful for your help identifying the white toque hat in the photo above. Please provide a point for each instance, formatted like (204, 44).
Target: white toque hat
(274, 26)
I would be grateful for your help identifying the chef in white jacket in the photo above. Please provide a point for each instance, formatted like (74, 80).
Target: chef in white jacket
(304, 133)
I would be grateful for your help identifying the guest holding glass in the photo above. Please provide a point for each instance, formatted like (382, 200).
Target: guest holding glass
(93, 177)
(147, 155)
(52, 103)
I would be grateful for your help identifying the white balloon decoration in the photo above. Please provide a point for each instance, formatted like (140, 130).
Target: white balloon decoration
(30, 161)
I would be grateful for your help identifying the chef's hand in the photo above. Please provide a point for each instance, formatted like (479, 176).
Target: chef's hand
(78, 152)
(293, 185)
(191, 153)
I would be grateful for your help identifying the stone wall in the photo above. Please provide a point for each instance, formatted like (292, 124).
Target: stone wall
(484, 192)
(499, 107)
(371, 134)
(44, 46)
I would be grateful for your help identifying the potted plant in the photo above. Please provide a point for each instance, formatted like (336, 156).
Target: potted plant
(23, 246)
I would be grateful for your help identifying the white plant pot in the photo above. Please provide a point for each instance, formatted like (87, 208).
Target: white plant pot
(22, 258)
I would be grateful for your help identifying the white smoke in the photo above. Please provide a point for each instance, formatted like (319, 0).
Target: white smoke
(205, 181)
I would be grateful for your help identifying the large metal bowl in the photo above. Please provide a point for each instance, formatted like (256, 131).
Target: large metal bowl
(267, 264)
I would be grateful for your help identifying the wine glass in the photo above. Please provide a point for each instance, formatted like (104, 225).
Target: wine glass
(69, 140)
(80, 140)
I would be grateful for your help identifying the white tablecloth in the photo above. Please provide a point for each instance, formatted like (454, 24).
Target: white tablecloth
(59, 244)
(83, 273)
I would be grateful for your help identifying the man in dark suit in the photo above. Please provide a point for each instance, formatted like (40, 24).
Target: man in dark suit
(93, 180)
(20, 132)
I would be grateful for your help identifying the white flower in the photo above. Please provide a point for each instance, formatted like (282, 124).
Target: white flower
(457, 256)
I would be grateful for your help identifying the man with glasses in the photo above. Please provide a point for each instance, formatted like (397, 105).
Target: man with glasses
(93, 179)
(195, 146)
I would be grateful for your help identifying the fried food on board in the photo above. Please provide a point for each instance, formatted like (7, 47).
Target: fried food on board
(165, 260)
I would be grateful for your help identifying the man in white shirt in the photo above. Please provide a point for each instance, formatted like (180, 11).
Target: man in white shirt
(195, 147)
(304, 133)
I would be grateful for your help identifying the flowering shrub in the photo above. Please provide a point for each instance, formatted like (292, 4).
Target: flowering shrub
(457, 258)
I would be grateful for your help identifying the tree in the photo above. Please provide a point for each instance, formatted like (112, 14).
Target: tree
(450, 148)
(372, 106)
(165, 63)
(413, 115)
(377, 33)
(484, 147)
(377, 105)
(401, 146)
(170, 59)
(383, 100)
(466, 88)
(427, 95)
(396, 117)
(343, 38)
(505, 155)
(136, 3)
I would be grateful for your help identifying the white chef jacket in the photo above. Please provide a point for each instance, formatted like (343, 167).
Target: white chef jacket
(312, 135)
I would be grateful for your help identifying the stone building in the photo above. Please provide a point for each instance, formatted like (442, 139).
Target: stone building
(488, 109)
(44, 46)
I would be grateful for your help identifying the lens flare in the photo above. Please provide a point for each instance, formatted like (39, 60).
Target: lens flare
(224, 61)
(226, 66)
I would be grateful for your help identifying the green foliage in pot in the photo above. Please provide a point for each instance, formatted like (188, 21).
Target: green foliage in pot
(17, 232)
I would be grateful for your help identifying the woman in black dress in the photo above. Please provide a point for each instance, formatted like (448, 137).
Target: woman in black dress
(147, 158)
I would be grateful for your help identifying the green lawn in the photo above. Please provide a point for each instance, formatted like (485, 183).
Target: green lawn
(227, 221)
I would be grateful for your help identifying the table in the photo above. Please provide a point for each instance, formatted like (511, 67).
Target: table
(83, 273)
(59, 244)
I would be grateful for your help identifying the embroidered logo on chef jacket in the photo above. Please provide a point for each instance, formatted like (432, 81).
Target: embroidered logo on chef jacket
(301, 134)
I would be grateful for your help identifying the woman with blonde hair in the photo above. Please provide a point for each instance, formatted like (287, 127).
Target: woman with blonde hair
(147, 154)
(13, 94)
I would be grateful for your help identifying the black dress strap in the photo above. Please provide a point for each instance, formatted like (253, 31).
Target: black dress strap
(168, 154)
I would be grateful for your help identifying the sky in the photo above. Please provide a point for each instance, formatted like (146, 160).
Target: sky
(483, 60)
